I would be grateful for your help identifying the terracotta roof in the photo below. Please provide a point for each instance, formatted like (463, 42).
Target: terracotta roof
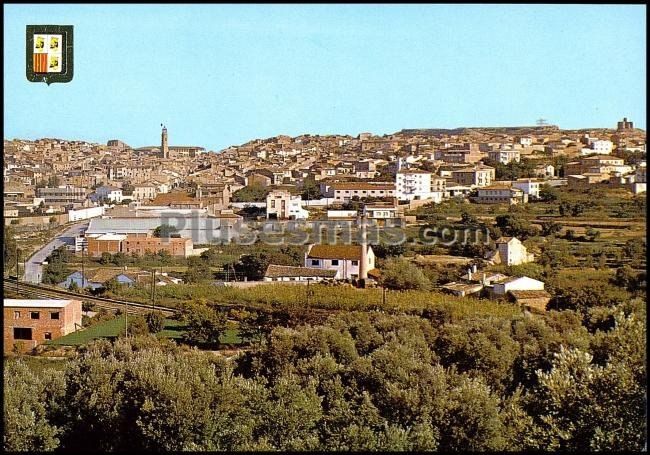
(413, 171)
(168, 198)
(498, 187)
(362, 186)
(503, 240)
(602, 157)
(103, 275)
(352, 252)
(275, 271)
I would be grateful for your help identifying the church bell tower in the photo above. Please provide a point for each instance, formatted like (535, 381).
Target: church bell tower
(164, 147)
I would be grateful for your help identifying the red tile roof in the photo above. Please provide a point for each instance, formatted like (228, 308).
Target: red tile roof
(362, 186)
(352, 252)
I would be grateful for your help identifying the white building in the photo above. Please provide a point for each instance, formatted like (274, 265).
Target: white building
(345, 191)
(144, 192)
(601, 147)
(84, 214)
(510, 251)
(111, 193)
(418, 185)
(501, 194)
(382, 211)
(526, 141)
(505, 156)
(282, 205)
(529, 186)
(517, 284)
(289, 273)
(344, 259)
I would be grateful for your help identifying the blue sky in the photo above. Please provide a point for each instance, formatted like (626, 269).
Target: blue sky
(219, 75)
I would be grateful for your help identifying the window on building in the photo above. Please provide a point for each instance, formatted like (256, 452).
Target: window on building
(22, 333)
(335, 262)
(315, 262)
(54, 315)
(35, 315)
(48, 335)
(16, 314)
(355, 262)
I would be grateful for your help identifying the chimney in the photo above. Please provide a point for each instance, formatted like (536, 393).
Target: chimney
(484, 280)
(469, 274)
(363, 263)
(474, 268)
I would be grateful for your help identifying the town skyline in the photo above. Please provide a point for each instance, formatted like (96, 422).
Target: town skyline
(172, 143)
(319, 69)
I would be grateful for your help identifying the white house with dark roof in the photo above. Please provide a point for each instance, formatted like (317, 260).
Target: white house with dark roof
(343, 259)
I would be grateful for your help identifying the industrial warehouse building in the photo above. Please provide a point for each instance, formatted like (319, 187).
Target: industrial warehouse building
(200, 229)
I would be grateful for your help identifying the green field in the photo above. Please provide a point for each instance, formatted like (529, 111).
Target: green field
(107, 329)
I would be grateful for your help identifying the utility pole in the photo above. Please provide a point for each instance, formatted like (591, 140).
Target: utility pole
(17, 275)
(153, 289)
(126, 319)
(383, 296)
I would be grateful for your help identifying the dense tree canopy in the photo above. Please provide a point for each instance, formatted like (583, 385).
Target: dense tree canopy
(359, 381)
(401, 275)
(251, 193)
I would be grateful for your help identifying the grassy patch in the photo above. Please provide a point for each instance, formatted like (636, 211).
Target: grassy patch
(173, 329)
(111, 328)
(107, 329)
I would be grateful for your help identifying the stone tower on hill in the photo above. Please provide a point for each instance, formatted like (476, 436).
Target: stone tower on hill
(164, 146)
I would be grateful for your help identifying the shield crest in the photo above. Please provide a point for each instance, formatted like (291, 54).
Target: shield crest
(49, 53)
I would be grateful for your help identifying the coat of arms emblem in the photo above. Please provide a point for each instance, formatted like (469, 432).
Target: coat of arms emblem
(49, 53)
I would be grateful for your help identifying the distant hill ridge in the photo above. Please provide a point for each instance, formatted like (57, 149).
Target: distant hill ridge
(522, 130)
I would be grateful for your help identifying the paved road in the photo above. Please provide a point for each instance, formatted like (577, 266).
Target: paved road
(33, 267)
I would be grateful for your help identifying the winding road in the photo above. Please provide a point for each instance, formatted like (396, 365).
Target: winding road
(34, 265)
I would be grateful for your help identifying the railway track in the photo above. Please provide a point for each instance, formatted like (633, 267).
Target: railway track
(42, 291)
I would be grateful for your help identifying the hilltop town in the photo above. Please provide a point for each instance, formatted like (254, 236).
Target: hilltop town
(52, 176)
